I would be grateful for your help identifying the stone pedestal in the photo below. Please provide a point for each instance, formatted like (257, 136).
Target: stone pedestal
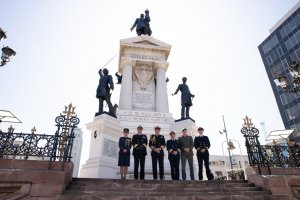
(103, 155)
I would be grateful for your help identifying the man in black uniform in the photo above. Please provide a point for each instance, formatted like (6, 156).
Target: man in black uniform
(173, 147)
(139, 143)
(157, 144)
(202, 145)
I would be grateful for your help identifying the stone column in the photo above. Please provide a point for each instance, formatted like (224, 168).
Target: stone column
(125, 102)
(162, 104)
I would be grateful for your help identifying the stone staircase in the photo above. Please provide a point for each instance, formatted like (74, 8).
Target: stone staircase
(100, 189)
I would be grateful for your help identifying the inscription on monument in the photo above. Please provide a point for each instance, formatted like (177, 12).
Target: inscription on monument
(144, 100)
(146, 57)
(110, 148)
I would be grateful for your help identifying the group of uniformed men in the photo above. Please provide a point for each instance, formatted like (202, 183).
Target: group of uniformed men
(181, 148)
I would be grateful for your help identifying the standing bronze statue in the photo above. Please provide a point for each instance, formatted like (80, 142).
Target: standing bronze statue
(142, 24)
(103, 92)
(147, 21)
(186, 98)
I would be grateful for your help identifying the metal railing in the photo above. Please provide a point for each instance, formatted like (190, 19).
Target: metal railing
(57, 147)
(268, 156)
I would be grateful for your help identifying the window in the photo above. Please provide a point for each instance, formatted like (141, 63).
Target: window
(269, 60)
(287, 28)
(288, 44)
(293, 40)
(298, 53)
(282, 32)
(274, 40)
(277, 70)
(292, 23)
(279, 51)
(293, 112)
(283, 99)
(285, 64)
(297, 36)
(294, 56)
(296, 20)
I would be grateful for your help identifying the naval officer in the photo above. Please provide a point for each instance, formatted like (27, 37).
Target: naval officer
(139, 143)
(157, 144)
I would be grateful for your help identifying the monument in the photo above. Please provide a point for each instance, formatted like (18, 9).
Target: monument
(143, 63)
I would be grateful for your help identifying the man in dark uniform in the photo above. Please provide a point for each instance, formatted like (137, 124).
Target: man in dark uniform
(140, 25)
(173, 147)
(202, 145)
(139, 143)
(157, 144)
(186, 98)
(103, 91)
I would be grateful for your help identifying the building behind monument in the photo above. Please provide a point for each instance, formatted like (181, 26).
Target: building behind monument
(279, 49)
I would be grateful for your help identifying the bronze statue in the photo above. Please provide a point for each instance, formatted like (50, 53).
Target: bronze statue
(186, 98)
(103, 92)
(142, 24)
(147, 21)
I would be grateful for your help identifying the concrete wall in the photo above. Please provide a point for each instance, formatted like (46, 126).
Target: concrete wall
(44, 183)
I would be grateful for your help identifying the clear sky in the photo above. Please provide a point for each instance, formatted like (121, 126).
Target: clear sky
(61, 45)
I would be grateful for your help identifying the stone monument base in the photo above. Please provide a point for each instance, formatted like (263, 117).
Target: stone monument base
(103, 156)
(105, 134)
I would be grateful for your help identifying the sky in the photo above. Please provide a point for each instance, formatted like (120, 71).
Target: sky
(61, 45)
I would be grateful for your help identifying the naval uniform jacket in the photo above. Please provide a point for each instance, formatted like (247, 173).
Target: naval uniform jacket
(201, 142)
(157, 141)
(124, 143)
(173, 145)
(139, 143)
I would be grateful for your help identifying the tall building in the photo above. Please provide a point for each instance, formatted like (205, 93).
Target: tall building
(278, 50)
(76, 151)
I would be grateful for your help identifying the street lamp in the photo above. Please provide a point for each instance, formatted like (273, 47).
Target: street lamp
(6, 54)
(2, 34)
(230, 145)
(282, 81)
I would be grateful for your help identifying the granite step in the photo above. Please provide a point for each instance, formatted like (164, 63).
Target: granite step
(113, 189)
(173, 193)
(134, 197)
(163, 188)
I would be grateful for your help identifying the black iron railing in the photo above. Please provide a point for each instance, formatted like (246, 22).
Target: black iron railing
(57, 147)
(268, 156)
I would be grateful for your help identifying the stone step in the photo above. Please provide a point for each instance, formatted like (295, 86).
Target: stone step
(146, 183)
(156, 193)
(133, 197)
(164, 188)
(116, 189)
(99, 180)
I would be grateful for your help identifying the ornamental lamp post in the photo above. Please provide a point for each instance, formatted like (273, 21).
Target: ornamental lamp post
(7, 53)
(282, 81)
(2, 34)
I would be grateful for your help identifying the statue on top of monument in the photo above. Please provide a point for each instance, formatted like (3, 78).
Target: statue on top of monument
(186, 98)
(142, 24)
(103, 92)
